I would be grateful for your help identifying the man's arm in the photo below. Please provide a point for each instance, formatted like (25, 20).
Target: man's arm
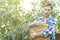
(51, 29)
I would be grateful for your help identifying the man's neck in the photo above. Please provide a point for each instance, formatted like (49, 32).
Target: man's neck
(45, 16)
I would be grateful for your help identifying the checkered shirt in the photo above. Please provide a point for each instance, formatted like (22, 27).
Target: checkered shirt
(51, 27)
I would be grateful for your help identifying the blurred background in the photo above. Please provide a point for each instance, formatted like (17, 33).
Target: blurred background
(15, 15)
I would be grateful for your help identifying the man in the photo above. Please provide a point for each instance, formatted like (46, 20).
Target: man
(46, 18)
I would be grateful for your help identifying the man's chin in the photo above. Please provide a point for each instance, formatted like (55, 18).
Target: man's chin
(46, 15)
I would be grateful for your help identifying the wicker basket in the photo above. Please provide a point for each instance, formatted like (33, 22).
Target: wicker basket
(39, 29)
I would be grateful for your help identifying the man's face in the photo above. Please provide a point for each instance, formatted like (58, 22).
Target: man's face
(47, 10)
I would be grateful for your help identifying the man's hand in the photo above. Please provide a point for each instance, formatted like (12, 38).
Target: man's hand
(34, 34)
(38, 34)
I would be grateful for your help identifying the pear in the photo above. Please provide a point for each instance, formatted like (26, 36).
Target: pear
(43, 25)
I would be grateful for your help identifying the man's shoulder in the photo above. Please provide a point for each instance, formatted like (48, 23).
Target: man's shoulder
(51, 18)
(39, 18)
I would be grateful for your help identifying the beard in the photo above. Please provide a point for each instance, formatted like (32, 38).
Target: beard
(46, 14)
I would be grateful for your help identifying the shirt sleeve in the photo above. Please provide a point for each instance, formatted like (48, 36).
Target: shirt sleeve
(51, 29)
(38, 19)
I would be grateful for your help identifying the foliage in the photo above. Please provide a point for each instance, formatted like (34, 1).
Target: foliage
(14, 17)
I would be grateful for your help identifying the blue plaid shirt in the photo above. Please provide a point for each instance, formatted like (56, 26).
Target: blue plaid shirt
(51, 25)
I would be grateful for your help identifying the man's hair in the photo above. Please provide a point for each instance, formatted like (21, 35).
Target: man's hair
(48, 4)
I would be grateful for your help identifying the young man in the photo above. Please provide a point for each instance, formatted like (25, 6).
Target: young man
(46, 18)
